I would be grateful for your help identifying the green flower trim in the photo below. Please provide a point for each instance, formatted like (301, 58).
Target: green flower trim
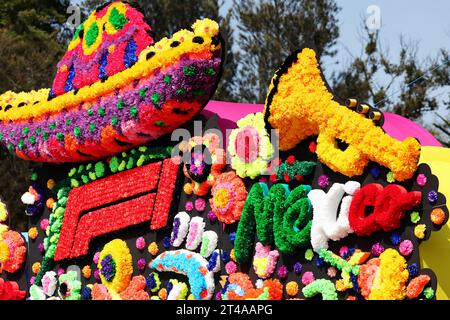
(293, 219)
(321, 286)
(428, 293)
(279, 214)
(77, 31)
(298, 168)
(92, 34)
(254, 206)
(309, 254)
(117, 19)
(85, 174)
(337, 262)
(72, 285)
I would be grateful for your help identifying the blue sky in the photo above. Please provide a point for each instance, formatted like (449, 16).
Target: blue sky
(425, 21)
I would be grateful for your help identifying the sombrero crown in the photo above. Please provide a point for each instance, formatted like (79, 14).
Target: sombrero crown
(108, 42)
(114, 89)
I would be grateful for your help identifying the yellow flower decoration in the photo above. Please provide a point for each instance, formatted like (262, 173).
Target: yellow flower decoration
(3, 212)
(51, 184)
(3, 229)
(162, 294)
(419, 231)
(119, 8)
(4, 251)
(115, 266)
(86, 271)
(250, 147)
(153, 248)
(36, 267)
(93, 29)
(33, 233)
(300, 105)
(390, 280)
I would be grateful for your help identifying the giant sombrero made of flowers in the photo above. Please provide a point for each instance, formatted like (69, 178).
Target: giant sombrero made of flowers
(114, 89)
(338, 213)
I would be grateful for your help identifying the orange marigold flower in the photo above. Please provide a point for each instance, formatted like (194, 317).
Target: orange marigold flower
(228, 197)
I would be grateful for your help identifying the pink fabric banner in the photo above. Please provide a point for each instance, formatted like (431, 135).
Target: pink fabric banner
(396, 126)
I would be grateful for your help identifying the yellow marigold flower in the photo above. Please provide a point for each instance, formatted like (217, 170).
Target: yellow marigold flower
(50, 203)
(86, 271)
(51, 184)
(419, 231)
(116, 255)
(36, 267)
(33, 233)
(232, 256)
(3, 212)
(153, 248)
(162, 294)
(3, 229)
(292, 288)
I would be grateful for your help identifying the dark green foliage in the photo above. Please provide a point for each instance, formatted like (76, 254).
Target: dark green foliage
(29, 34)
(30, 48)
(404, 85)
(269, 30)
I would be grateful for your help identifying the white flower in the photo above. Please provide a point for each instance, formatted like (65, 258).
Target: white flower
(49, 282)
(28, 198)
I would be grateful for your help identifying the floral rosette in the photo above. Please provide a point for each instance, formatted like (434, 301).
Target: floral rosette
(228, 197)
(240, 287)
(206, 161)
(191, 264)
(34, 199)
(69, 286)
(115, 266)
(265, 260)
(249, 146)
(12, 251)
(384, 278)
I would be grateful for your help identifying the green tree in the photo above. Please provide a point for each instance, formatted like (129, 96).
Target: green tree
(405, 85)
(269, 30)
(29, 51)
(30, 48)
(441, 129)
(166, 17)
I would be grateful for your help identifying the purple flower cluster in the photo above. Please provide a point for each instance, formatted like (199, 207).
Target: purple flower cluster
(108, 269)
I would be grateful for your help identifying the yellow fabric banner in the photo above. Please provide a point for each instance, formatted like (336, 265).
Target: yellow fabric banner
(435, 253)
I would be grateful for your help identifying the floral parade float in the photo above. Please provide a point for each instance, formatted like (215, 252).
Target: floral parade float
(116, 213)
